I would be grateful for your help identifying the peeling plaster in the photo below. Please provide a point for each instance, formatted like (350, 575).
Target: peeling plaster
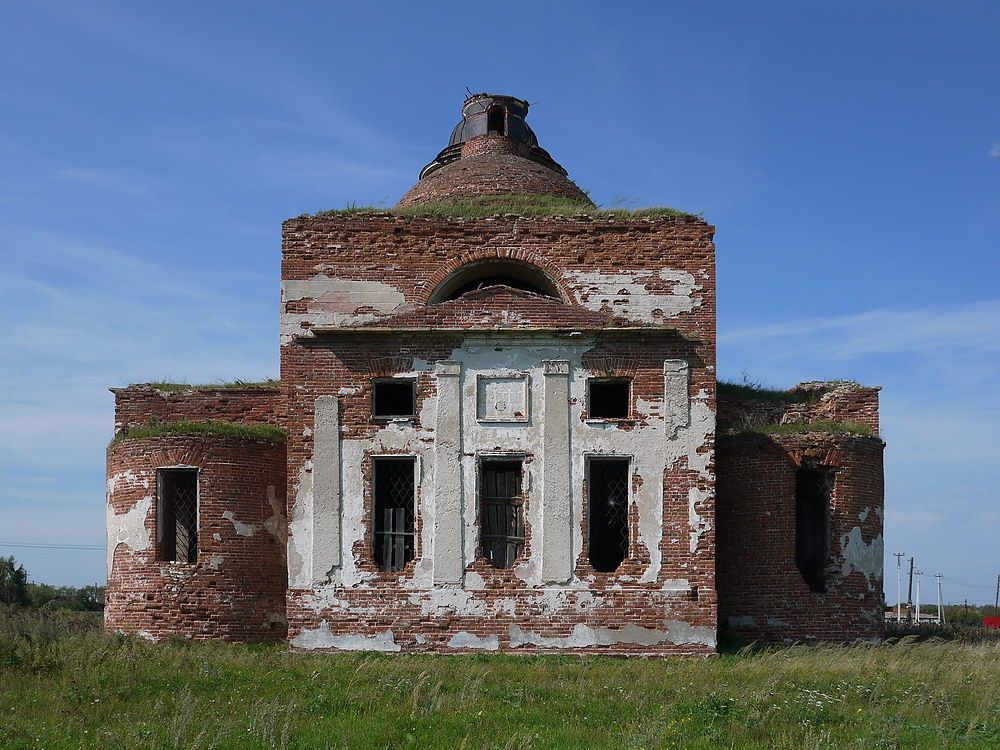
(677, 633)
(465, 639)
(864, 558)
(743, 621)
(603, 291)
(128, 528)
(336, 302)
(215, 563)
(646, 444)
(322, 637)
(242, 529)
(699, 525)
(276, 525)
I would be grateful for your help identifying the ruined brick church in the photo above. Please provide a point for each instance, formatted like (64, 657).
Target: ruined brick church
(497, 427)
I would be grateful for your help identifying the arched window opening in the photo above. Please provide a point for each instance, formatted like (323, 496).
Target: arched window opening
(496, 121)
(496, 272)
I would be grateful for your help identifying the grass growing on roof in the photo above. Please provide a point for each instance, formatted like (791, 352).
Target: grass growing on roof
(753, 391)
(798, 428)
(222, 429)
(499, 205)
(170, 387)
(64, 683)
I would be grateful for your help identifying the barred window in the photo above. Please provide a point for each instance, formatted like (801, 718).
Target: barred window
(501, 512)
(177, 516)
(608, 490)
(813, 490)
(393, 488)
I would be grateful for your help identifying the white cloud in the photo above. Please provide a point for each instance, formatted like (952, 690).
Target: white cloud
(102, 179)
(973, 326)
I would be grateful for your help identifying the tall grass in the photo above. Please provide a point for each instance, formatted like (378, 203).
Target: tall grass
(66, 684)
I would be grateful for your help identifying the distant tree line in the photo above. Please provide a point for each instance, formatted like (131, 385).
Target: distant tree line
(16, 589)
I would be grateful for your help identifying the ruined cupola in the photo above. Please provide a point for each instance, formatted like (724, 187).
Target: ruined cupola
(492, 152)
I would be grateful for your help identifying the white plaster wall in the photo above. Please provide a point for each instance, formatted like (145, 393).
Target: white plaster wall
(650, 447)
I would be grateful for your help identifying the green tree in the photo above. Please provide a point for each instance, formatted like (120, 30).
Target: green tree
(13, 582)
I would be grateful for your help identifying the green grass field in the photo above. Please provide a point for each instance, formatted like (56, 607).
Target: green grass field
(66, 684)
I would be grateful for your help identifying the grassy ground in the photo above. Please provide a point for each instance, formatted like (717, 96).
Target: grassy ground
(65, 684)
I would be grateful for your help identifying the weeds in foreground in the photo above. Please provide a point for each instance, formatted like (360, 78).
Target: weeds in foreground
(65, 683)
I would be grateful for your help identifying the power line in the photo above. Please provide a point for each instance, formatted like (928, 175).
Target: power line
(43, 545)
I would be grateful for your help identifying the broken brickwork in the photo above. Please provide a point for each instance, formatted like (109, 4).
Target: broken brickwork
(235, 590)
(763, 594)
(501, 436)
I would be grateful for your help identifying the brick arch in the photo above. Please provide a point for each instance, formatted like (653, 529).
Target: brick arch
(427, 288)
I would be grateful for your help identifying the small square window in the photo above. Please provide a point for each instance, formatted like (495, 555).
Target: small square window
(608, 399)
(394, 397)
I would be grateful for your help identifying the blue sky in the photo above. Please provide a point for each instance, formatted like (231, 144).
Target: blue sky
(847, 151)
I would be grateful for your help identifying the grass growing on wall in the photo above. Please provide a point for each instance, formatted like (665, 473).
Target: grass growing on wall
(65, 684)
(500, 205)
(224, 429)
(170, 387)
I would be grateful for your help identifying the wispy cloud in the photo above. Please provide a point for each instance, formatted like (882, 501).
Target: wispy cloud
(995, 151)
(101, 179)
(974, 326)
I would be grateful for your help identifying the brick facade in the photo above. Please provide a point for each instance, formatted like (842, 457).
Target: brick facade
(762, 595)
(504, 325)
(236, 589)
(139, 405)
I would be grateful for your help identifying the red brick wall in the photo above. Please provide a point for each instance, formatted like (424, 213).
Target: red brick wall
(139, 404)
(837, 401)
(236, 589)
(414, 255)
(761, 592)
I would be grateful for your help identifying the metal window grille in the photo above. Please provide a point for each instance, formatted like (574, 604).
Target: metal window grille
(394, 512)
(608, 484)
(501, 512)
(178, 516)
(813, 490)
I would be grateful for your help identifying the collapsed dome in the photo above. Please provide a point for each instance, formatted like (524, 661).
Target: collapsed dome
(492, 152)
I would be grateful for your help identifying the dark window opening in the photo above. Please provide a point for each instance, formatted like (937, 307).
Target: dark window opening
(496, 121)
(501, 512)
(394, 397)
(608, 399)
(177, 520)
(813, 490)
(483, 273)
(607, 539)
(512, 282)
(394, 512)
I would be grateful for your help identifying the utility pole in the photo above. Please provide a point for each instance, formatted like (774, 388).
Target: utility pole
(918, 573)
(966, 616)
(899, 584)
(996, 602)
(909, 595)
(940, 602)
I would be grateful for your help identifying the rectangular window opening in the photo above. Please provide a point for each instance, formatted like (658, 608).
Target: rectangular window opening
(394, 397)
(501, 512)
(608, 490)
(813, 491)
(393, 489)
(177, 520)
(608, 399)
